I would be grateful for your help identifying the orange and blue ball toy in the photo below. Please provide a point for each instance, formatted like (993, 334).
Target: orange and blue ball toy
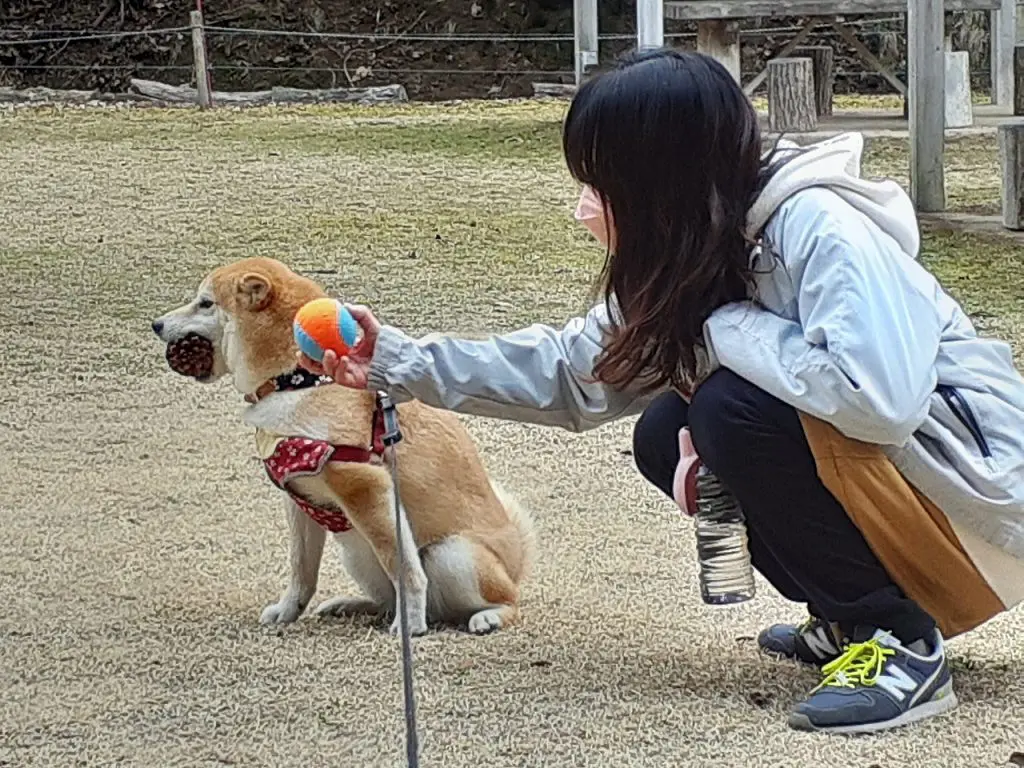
(325, 324)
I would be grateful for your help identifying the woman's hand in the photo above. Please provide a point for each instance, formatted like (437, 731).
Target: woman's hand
(351, 370)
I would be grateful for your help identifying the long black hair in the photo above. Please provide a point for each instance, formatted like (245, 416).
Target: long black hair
(672, 146)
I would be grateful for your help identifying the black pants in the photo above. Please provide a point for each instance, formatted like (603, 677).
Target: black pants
(801, 539)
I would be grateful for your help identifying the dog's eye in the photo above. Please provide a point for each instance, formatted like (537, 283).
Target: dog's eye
(205, 303)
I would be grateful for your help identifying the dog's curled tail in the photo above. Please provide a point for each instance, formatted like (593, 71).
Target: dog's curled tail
(521, 518)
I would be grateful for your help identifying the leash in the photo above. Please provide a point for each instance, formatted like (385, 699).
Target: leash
(392, 436)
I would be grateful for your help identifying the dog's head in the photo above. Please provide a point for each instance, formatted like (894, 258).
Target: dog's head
(239, 323)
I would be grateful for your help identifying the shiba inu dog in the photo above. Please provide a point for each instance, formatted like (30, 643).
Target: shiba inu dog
(471, 544)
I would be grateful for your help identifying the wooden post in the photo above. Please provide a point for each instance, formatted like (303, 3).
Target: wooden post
(959, 111)
(202, 72)
(720, 39)
(1018, 80)
(823, 59)
(1011, 160)
(650, 23)
(926, 76)
(1003, 37)
(584, 14)
(791, 95)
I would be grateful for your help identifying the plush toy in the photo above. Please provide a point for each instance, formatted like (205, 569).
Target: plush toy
(325, 324)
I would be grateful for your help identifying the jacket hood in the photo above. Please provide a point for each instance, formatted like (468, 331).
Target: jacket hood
(835, 164)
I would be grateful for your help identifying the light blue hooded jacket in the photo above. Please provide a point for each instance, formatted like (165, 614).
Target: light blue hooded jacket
(848, 328)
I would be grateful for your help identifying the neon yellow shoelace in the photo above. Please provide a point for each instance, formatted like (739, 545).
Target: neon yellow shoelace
(860, 664)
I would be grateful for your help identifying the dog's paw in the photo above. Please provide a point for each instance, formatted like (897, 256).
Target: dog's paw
(348, 606)
(285, 611)
(485, 621)
(417, 626)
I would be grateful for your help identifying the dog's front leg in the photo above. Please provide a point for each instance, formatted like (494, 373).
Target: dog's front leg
(306, 550)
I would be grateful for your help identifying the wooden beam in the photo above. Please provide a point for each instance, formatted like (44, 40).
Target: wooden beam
(802, 35)
(691, 10)
(721, 41)
(869, 58)
(926, 85)
(650, 23)
(1003, 26)
(585, 36)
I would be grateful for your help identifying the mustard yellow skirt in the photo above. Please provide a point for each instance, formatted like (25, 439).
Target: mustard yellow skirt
(908, 533)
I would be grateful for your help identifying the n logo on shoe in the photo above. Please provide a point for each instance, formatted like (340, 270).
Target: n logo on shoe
(820, 643)
(896, 682)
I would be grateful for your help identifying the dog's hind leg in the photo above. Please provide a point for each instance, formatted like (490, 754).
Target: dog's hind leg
(306, 550)
(364, 492)
(469, 584)
(344, 605)
(363, 567)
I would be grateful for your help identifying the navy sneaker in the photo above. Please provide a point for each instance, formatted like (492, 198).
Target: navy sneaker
(816, 641)
(876, 685)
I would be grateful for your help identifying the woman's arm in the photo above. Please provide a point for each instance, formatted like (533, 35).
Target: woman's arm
(862, 355)
(539, 374)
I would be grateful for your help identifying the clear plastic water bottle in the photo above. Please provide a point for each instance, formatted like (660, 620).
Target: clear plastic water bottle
(726, 573)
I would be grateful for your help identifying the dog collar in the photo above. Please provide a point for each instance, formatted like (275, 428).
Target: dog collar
(300, 378)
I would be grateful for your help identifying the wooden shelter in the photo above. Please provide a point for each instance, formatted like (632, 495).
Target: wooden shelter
(718, 35)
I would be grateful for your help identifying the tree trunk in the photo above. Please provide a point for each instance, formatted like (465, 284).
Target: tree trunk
(791, 95)
(823, 60)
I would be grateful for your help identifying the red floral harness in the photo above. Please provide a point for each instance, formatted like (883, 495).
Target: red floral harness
(304, 457)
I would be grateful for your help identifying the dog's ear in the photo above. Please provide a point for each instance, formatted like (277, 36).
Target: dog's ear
(255, 292)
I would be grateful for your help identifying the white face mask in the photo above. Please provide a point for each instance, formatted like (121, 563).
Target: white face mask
(590, 212)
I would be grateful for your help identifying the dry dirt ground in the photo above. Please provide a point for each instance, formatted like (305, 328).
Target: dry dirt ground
(140, 539)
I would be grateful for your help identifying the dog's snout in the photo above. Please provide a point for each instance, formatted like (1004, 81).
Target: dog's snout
(158, 327)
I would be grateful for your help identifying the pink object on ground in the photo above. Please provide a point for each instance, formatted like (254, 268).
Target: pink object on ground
(684, 484)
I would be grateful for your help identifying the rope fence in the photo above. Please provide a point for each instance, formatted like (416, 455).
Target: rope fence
(15, 43)
(71, 36)
(8, 36)
(380, 70)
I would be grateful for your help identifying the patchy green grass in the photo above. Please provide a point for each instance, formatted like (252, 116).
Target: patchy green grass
(453, 204)
(987, 277)
(971, 169)
(450, 217)
(454, 217)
